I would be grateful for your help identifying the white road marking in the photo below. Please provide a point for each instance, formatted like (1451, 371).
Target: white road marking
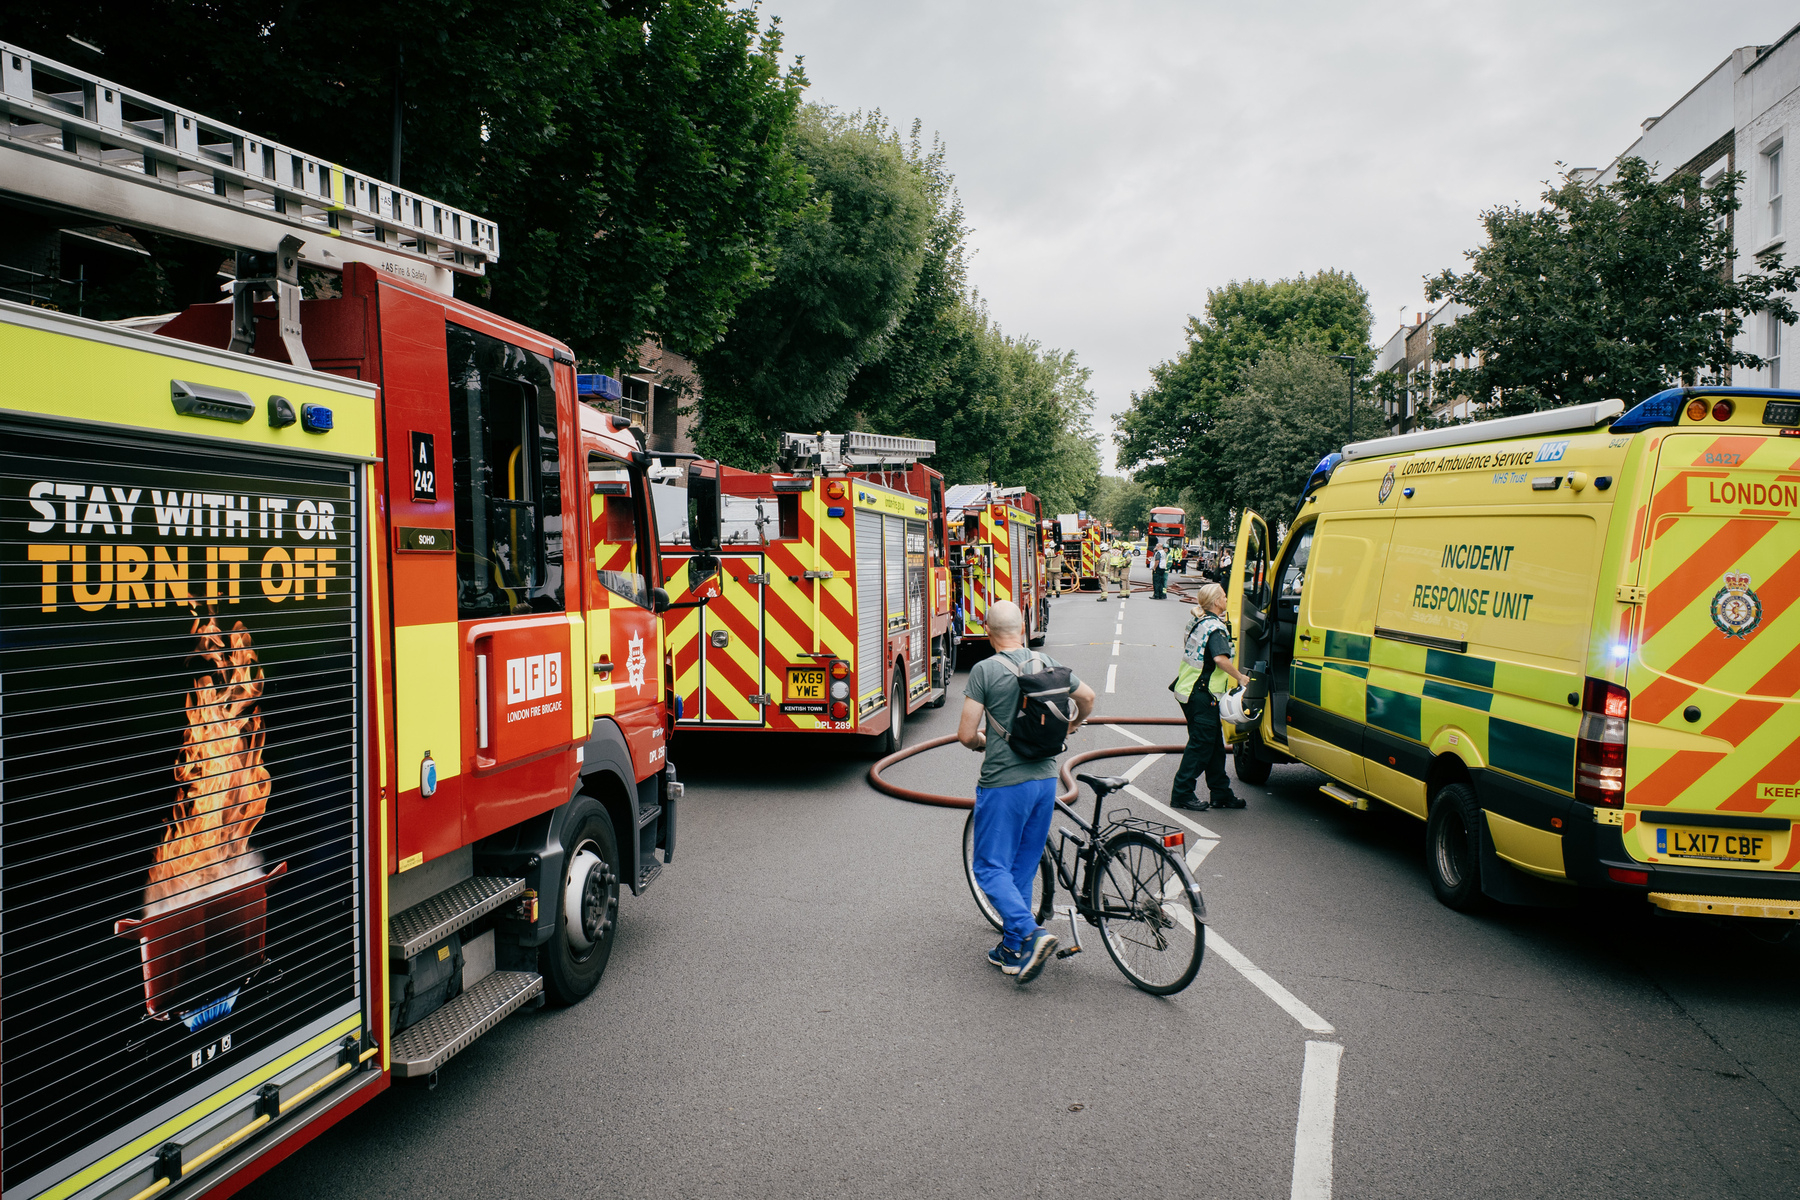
(1118, 629)
(1318, 1116)
(1112, 676)
(1115, 649)
(1310, 1020)
(1199, 850)
(1314, 1128)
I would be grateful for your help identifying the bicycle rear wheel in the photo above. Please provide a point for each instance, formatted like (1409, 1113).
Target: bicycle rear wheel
(1151, 923)
(1043, 889)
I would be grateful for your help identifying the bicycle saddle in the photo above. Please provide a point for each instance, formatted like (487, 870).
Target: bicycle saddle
(1104, 785)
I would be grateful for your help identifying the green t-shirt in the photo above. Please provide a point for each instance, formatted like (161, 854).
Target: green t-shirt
(996, 688)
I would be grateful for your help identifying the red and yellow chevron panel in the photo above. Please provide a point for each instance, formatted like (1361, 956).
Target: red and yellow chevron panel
(1715, 679)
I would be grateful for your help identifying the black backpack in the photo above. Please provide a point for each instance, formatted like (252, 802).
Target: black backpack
(1040, 728)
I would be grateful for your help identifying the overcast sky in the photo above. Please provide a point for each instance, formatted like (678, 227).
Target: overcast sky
(1117, 158)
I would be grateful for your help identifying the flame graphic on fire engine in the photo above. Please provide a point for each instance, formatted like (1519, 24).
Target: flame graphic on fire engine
(223, 787)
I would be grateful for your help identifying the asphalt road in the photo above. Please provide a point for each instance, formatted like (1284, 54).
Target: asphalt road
(800, 1007)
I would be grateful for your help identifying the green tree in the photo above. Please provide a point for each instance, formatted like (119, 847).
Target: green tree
(634, 153)
(1610, 290)
(1286, 415)
(845, 273)
(1124, 503)
(1166, 434)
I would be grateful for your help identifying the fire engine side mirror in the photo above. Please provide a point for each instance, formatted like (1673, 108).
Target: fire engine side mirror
(705, 518)
(701, 568)
(659, 600)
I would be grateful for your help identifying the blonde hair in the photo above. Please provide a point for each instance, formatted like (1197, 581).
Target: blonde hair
(1208, 593)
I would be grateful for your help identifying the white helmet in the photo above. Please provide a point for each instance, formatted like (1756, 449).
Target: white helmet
(1231, 707)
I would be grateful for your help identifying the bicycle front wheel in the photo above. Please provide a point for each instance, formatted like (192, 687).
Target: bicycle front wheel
(1043, 888)
(1151, 923)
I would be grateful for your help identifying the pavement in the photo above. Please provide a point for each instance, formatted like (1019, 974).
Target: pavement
(800, 1007)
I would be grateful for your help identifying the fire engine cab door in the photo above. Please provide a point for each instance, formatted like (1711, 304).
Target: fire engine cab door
(733, 673)
(624, 663)
(516, 659)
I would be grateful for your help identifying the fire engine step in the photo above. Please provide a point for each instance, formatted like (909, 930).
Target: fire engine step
(440, 1037)
(431, 921)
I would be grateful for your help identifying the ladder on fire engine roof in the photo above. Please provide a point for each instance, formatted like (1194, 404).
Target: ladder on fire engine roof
(76, 143)
(823, 451)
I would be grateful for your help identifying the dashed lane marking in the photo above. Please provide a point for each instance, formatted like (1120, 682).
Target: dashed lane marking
(1112, 676)
(1115, 649)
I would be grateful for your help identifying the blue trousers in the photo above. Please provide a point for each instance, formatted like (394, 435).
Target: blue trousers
(1011, 826)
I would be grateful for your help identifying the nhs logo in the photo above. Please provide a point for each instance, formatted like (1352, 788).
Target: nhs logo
(533, 677)
(1551, 451)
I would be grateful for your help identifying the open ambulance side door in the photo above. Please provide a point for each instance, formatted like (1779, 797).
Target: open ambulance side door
(1247, 596)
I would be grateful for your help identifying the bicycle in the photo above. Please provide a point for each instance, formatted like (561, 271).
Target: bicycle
(1126, 878)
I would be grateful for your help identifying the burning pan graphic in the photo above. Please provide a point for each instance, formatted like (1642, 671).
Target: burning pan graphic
(206, 904)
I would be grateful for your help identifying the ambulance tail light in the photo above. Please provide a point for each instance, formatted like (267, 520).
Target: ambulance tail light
(1600, 745)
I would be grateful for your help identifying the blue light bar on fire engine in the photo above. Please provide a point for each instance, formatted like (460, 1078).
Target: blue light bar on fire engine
(598, 387)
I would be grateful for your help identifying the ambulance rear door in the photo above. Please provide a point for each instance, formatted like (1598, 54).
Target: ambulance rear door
(1715, 655)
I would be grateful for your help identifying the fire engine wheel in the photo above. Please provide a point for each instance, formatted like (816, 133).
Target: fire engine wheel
(948, 650)
(587, 912)
(893, 739)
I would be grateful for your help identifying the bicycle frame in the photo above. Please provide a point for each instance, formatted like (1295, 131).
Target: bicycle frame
(1082, 886)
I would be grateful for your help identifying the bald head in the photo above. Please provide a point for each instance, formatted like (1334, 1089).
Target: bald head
(1005, 621)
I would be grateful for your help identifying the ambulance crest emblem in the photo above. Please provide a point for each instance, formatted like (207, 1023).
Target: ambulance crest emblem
(1387, 487)
(1736, 610)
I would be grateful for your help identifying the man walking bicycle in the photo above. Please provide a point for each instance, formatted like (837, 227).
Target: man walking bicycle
(1016, 794)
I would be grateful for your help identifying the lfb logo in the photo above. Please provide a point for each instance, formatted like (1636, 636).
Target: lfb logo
(533, 677)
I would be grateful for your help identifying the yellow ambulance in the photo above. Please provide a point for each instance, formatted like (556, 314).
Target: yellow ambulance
(1567, 641)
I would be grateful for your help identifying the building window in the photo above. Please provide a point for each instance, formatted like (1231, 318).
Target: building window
(1772, 167)
(1774, 350)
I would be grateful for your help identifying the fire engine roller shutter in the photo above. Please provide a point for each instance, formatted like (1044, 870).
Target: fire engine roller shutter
(179, 814)
(917, 678)
(894, 550)
(1018, 559)
(869, 627)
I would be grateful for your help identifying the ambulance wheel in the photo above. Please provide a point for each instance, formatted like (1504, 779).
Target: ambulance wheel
(587, 911)
(1453, 848)
(1248, 766)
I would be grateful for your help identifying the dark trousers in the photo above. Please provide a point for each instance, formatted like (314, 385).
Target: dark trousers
(1205, 752)
(1158, 581)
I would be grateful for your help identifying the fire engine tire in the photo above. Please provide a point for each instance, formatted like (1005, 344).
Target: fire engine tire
(587, 916)
(1453, 848)
(893, 739)
(1249, 766)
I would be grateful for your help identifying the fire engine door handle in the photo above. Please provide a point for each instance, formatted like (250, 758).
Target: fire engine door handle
(603, 667)
(481, 701)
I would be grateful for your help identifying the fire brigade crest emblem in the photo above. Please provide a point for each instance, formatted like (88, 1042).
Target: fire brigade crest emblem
(1736, 610)
(634, 662)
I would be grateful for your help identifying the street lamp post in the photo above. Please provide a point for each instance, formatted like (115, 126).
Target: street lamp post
(1349, 361)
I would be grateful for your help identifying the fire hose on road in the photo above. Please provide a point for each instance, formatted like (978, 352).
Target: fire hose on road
(1065, 772)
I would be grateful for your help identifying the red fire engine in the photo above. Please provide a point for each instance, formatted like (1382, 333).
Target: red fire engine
(996, 555)
(341, 617)
(833, 612)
